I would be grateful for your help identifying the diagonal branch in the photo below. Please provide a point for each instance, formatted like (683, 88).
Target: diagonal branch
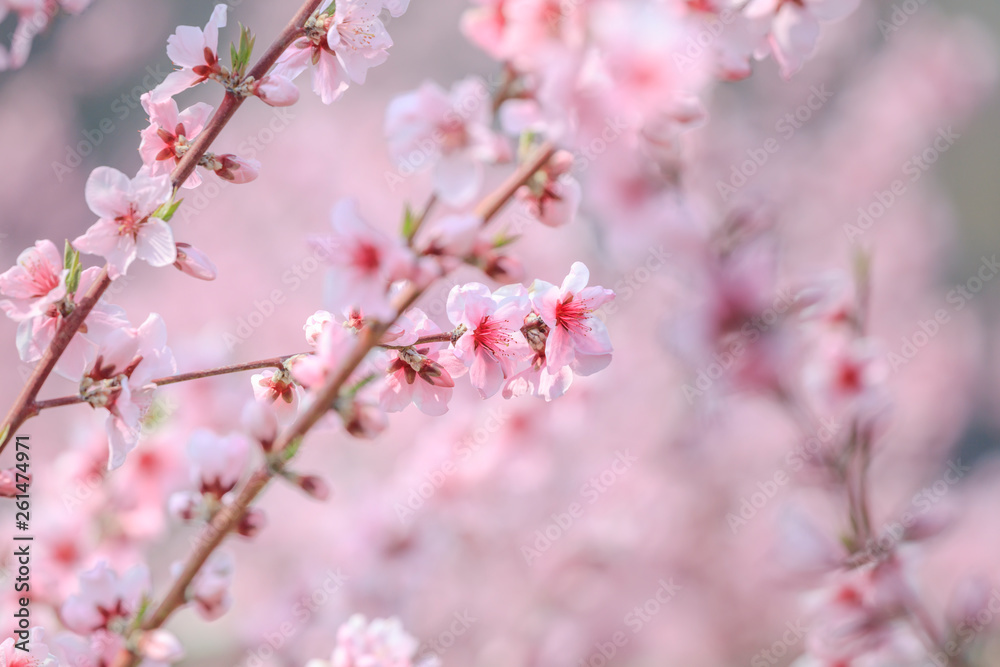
(227, 519)
(24, 406)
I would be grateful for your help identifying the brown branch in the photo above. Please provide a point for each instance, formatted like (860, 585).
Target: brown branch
(25, 405)
(227, 519)
(490, 206)
(230, 103)
(274, 362)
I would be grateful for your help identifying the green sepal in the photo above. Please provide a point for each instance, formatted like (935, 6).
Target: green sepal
(71, 262)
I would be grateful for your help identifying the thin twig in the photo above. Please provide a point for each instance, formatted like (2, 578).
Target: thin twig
(24, 406)
(229, 517)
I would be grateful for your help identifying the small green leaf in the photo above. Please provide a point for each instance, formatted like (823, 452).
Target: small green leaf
(353, 391)
(166, 211)
(292, 449)
(240, 53)
(71, 262)
(526, 144)
(502, 239)
(409, 223)
(171, 210)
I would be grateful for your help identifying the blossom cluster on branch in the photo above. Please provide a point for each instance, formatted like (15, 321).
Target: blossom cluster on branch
(588, 130)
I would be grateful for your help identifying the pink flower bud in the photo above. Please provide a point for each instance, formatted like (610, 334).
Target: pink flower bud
(252, 522)
(313, 485)
(970, 596)
(363, 419)
(454, 235)
(315, 325)
(560, 163)
(236, 169)
(194, 262)
(217, 462)
(276, 91)
(184, 505)
(8, 485)
(504, 268)
(160, 646)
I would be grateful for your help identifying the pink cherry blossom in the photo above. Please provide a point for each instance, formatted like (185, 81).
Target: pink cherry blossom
(422, 375)
(854, 615)
(170, 134)
(396, 8)
(37, 654)
(380, 643)
(8, 483)
(276, 389)
(210, 589)
(97, 648)
(454, 236)
(126, 230)
(195, 51)
(364, 262)
(362, 415)
(159, 646)
(492, 337)
(342, 47)
(35, 335)
(642, 73)
(795, 26)
(36, 283)
(126, 362)
(484, 23)
(451, 130)
(332, 347)
(315, 324)
(554, 195)
(105, 597)
(540, 379)
(568, 312)
(848, 375)
(217, 462)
